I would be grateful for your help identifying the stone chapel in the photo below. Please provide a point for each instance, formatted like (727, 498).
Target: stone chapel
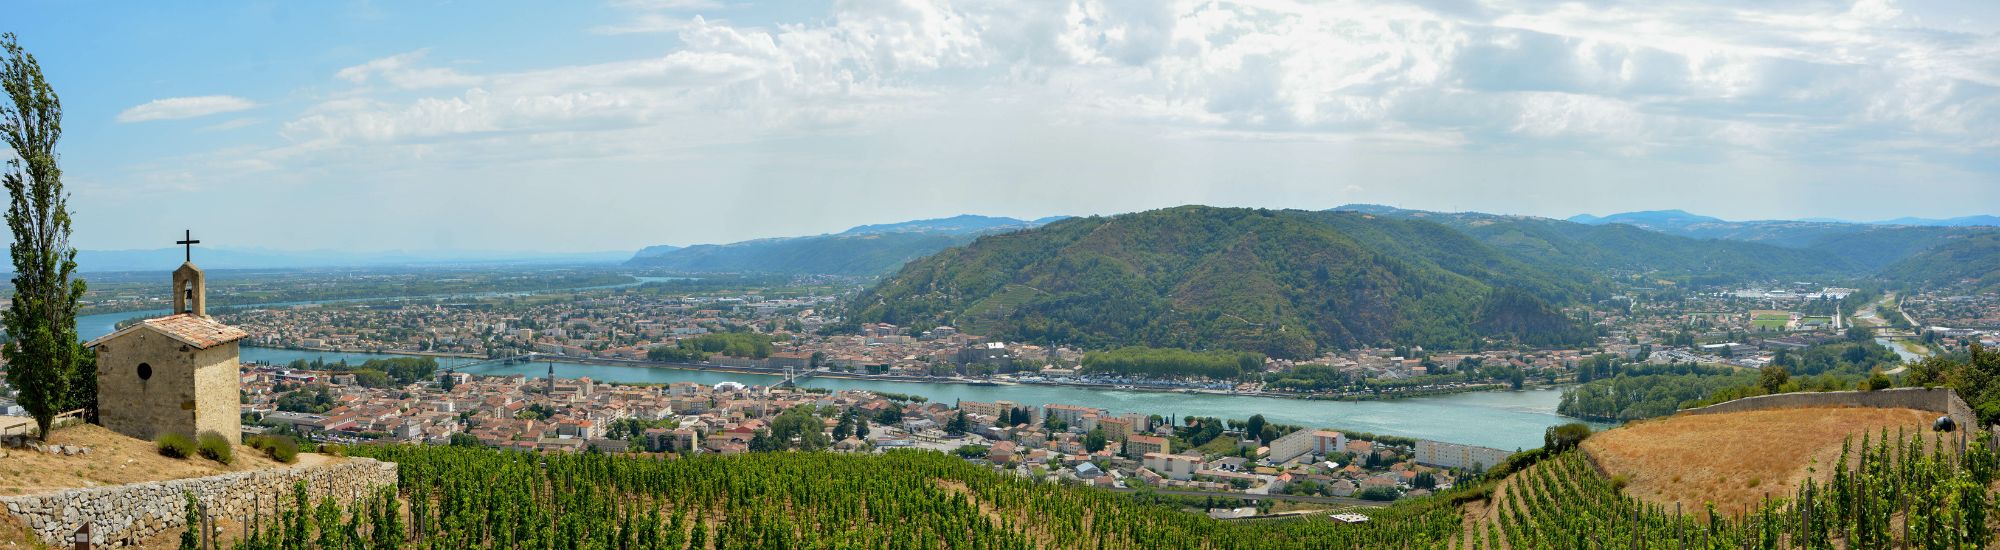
(172, 374)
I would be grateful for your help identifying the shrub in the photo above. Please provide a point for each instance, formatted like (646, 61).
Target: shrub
(1379, 494)
(214, 447)
(174, 445)
(1565, 437)
(1618, 482)
(279, 448)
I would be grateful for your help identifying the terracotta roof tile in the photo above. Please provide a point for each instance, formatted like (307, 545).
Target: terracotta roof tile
(200, 332)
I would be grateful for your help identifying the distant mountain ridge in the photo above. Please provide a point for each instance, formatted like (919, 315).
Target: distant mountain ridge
(1801, 247)
(1650, 216)
(1670, 218)
(164, 259)
(960, 224)
(1961, 221)
(862, 250)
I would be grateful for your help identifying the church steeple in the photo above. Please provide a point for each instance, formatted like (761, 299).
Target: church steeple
(190, 286)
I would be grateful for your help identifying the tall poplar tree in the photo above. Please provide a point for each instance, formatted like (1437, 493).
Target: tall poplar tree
(41, 349)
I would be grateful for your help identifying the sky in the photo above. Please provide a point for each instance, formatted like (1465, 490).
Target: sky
(583, 126)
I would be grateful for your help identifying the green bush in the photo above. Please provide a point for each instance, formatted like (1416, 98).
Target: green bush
(279, 448)
(214, 447)
(174, 445)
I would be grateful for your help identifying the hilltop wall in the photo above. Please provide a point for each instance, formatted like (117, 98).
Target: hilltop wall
(126, 515)
(1940, 400)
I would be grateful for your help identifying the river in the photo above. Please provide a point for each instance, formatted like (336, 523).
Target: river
(1499, 419)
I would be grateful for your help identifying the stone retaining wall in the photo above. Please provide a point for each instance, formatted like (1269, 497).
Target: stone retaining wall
(1940, 400)
(125, 515)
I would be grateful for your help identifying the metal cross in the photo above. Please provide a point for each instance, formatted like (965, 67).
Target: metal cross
(188, 242)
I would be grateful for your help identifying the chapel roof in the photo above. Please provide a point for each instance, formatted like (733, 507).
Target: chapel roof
(194, 330)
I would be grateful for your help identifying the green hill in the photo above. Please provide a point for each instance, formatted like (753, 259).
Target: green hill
(1620, 249)
(1284, 283)
(1973, 261)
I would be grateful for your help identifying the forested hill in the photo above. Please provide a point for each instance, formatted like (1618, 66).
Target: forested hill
(1973, 259)
(1285, 283)
(1620, 249)
(863, 250)
(1804, 247)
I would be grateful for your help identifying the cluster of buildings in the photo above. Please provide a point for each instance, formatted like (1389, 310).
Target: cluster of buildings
(604, 324)
(1056, 441)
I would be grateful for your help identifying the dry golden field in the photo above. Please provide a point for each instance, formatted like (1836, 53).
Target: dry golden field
(1735, 460)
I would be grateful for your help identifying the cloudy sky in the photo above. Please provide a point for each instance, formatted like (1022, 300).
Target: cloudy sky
(567, 126)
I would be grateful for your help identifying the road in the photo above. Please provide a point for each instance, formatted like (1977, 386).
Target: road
(1295, 498)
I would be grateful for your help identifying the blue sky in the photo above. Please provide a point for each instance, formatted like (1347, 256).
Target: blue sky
(598, 126)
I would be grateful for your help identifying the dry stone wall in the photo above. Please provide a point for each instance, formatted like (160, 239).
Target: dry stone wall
(125, 515)
(1940, 400)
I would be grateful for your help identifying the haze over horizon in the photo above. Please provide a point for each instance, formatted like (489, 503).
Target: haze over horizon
(614, 126)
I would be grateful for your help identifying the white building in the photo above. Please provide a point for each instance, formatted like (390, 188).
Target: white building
(1453, 455)
(1173, 466)
(1299, 443)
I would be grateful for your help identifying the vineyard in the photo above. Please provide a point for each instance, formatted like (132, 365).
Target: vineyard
(1892, 494)
(474, 498)
(1895, 489)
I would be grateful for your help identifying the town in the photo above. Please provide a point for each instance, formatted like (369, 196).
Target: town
(788, 328)
(1057, 442)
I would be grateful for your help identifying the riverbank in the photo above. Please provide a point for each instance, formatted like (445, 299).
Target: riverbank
(809, 374)
(412, 353)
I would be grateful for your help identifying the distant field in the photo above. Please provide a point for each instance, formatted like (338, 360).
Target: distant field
(1770, 320)
(1736, 459)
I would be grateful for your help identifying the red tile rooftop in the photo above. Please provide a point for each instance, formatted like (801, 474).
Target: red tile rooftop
(200, 332)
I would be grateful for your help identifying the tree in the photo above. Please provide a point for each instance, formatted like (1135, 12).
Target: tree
(845, 428)
(1772, 378)
(1255, 427)
(1054, 424)
(1094, 441)
(798, 428)
(41, 349)
(1876, 381)
(958, 424)
(1564, 437)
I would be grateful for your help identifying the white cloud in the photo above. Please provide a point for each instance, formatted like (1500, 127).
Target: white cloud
(1800, 82)
(401, 71)
(184, 107)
